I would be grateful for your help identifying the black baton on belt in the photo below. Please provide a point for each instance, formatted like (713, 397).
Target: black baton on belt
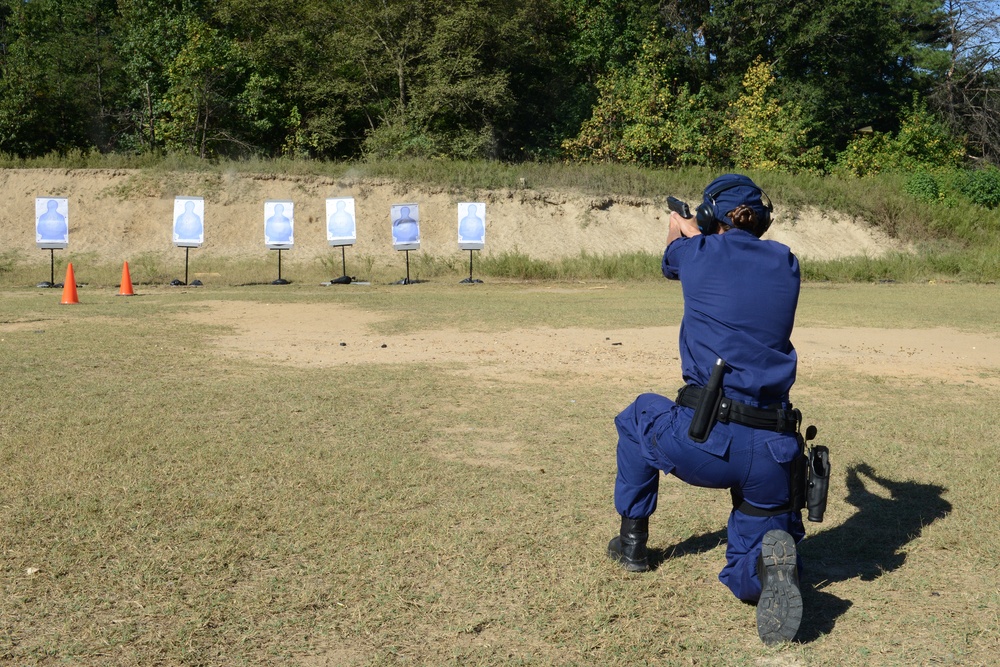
(708, 407)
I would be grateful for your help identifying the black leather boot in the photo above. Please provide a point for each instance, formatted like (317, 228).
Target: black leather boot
(779, 610)
(629, 547)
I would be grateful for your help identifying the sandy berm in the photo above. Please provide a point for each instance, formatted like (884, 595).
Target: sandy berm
(115, 215)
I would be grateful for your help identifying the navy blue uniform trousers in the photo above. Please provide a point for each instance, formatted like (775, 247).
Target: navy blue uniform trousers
(652, 436)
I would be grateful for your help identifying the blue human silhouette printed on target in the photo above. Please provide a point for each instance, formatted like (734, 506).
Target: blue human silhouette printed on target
(471, 227)
(188, 225)
(278, 228)
(404, 228)
(52, 224)
(341, 223)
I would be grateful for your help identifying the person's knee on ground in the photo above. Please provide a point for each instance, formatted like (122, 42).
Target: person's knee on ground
(744, 534)
(779, 609)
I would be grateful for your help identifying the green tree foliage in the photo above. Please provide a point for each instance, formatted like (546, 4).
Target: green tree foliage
(982, 187)
(607, 34)
(951, 186)
(202, 80)
(450, 79)
(651, 83)
(291, 97)
(923, 186)
(922, 142)
(765, 133)
(603, 38)
(848, 63)
(450, 99)
(644, 117)
(60, 75)
(832, 67)
(149, 36)
(309, 78)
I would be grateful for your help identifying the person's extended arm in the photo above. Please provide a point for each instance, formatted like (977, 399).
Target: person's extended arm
(680, 226)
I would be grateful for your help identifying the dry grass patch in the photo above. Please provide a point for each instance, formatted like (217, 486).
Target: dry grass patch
(166, 502)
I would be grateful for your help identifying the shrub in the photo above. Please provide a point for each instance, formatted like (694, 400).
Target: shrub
(867, 155)
(922, 141)
(396, 138)
(923, 186)
(982, 187)
(645, 117)
(766, 133)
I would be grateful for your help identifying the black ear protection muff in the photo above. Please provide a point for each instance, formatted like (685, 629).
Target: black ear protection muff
(708, 218)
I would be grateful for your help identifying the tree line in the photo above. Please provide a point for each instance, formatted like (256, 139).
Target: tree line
(814, 85)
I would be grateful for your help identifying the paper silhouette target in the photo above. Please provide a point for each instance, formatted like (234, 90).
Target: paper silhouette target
(405, 226)
(471, 225)
(341, 226)
(51, 222)
(189, 222)
(279, 224)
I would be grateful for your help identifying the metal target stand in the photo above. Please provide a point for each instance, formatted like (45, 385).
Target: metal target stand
(470, 280)
(187, 257)
(406, 280)
(280, 280)
(344, 279)
(52, 271)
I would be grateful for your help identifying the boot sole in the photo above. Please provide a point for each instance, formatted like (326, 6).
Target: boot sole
(779, 610)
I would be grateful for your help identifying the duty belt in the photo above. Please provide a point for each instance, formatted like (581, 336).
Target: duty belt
(768, 419)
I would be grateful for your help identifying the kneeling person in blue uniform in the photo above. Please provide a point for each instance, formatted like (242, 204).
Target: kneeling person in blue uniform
(736, 430)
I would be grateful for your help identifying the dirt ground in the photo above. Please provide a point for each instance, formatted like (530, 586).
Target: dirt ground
(318, 335)
(116, 215)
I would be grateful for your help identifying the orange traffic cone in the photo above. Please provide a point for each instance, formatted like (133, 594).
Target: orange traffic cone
(126, 287)
(69, 287)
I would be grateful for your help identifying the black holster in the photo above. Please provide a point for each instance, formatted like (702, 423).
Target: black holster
(810, 479)
(799, 480)
(707, 411)
(819, 482)
(808, 483)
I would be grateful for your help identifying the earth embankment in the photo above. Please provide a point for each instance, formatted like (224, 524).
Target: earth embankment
(117, 214)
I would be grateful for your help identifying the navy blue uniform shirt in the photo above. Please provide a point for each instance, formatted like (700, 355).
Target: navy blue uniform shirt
(740, 294)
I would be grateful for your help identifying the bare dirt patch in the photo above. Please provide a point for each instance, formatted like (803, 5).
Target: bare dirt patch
(314, 335)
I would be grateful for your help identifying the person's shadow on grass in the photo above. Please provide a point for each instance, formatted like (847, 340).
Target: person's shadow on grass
(867, 545)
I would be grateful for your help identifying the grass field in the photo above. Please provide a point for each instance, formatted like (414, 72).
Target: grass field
(169, 499)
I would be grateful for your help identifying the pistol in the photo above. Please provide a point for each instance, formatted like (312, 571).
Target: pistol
(679, 207)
